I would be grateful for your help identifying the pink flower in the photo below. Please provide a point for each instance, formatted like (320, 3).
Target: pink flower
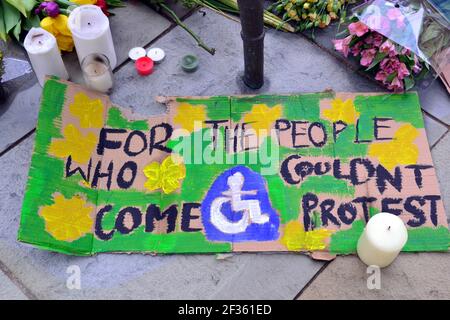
(341, 45)
(356, 49)
(378, 23)
(402, 71)
(358, 28)
(405, 51)
(417, 65)
(389, 48)
(389, 65)
(377, 39)
(381, 76)
(367, 56)
(396, 85)
(395, 14)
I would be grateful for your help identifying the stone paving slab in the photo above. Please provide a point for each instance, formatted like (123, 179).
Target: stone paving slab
(441, 157)
(412, 276)
(8, 290)
(434, 129)
(18, 116)
(138, 276)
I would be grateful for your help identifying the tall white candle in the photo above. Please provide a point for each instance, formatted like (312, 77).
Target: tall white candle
(382, 240)
(44, 55)
(91, 33)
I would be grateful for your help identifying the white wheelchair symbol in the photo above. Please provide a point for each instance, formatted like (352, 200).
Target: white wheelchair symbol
(251, 208)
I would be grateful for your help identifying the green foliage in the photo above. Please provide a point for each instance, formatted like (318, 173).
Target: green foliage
(308, 14)
(15, 16)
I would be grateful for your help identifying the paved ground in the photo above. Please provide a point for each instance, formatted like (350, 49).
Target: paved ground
(294, 63)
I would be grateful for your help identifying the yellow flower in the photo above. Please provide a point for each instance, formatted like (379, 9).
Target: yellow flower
(81, 2)
(295, 238)
(58, 27)
(74, 144)
(165, 176)
(261, 118)
(187, 116)
(342, 110)
(400, 151)
(89, 111)
(68, 219)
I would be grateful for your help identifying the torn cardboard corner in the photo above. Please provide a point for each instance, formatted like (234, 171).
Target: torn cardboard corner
(268, 173)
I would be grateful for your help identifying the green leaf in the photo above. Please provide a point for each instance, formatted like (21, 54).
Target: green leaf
(16, 31)
(24, 6)
(11, 17)
(391, 77)
(2, 24)
(378, 57)
(32, 21)
(409, 82)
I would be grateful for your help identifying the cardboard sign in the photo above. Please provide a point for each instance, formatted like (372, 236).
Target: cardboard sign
(220, 174)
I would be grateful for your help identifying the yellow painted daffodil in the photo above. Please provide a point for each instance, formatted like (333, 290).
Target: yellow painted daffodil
(89, 111)
(75, 144)
(166, 176)
(342, 111)
(261, 118)
(58, 27)
(400, 151)
(190, 117)
(68, 219)
(295, 238)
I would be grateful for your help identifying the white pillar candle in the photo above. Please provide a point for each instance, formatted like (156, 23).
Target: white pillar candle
(44, 55)
(382, 240)
(91, 33)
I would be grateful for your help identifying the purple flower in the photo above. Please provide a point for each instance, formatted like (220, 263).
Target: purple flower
(52, 9)
(48, 8)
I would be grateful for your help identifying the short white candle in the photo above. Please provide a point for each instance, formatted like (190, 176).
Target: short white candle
(156, 54)
(91, 33)
(382, 240)
(44, 55)
(97, 73)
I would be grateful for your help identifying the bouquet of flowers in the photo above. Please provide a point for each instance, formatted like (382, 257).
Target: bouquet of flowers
(17, 16)
(307, 14)
(396, 67)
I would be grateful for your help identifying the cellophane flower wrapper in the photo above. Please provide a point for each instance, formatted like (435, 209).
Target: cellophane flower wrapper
(417, 25)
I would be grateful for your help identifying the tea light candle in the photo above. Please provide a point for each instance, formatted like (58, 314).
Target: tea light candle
(97, 73)
(382, 240)
(44, 55)
(144, 66)
(156, 54)
(91, 33)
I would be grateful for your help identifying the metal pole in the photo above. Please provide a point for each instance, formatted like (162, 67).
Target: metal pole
(251, 13)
